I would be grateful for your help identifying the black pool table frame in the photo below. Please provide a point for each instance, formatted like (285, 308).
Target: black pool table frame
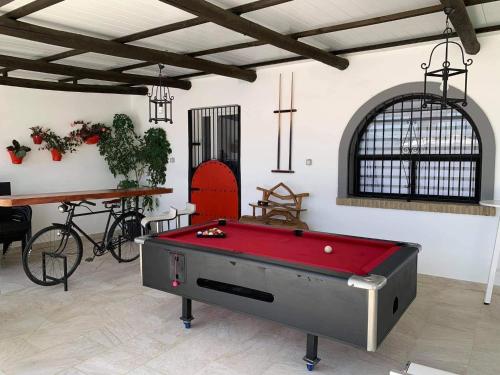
(359, 310)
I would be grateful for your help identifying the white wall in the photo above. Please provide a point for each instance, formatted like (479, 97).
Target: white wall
(456, 246)
(21, 109)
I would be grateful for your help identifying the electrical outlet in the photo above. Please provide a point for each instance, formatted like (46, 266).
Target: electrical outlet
(171, 160)
(309, 161)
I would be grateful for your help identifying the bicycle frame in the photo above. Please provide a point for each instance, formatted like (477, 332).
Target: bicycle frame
(71, 224)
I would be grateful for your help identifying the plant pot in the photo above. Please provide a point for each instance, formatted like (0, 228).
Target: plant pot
(56, 154)
(14, 158)
(92, 140)
(37, 139)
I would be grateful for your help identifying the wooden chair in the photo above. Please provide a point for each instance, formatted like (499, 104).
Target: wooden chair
(279, 206)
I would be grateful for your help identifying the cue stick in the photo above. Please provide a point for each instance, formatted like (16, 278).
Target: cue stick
(279, 123)
(291, 128)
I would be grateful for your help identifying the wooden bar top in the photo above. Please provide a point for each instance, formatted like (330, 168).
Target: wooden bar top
(74, 196)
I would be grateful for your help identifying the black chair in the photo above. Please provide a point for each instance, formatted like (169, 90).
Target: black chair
(15, 222)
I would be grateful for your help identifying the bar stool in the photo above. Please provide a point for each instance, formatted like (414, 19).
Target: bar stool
(188, 210)
(168, 216)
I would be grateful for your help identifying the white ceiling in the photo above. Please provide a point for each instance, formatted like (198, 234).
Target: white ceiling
(110, 19)
(195, 38)
(25, 48)
(302, 15)
(384, 32)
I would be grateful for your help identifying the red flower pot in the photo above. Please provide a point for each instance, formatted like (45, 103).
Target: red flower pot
(14, 158)
(56, 155)
(37, 139)
(92, 140)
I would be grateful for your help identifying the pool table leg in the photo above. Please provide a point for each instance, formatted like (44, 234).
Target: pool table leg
(186, 312)
(311, 356)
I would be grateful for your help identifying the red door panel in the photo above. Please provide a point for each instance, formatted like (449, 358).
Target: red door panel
(214, 190)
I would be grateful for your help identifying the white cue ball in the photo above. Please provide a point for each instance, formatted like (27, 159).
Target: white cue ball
(328, 249)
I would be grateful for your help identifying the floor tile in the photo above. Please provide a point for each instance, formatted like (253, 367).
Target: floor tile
(107, 323)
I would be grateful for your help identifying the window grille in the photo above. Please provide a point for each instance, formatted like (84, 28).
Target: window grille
(406, 151)
(214, 134)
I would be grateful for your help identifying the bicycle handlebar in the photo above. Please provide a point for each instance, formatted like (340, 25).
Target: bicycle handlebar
(80, 203)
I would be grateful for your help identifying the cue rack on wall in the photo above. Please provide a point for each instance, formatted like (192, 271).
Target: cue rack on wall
(281, 135)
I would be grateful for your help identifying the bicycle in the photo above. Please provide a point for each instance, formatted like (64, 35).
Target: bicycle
(54, 253)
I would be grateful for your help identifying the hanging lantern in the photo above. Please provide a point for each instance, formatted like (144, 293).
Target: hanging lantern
(160, 101)
(446, 71)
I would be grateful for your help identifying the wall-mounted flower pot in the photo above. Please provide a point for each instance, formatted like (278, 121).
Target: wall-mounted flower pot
(56, 155)
(92, 140)
(14, 158)
(37, 139)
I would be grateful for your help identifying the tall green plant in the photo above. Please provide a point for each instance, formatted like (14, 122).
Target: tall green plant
(136, 160)
(155, 155)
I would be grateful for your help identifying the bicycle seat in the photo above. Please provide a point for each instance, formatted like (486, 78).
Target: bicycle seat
(113, 203)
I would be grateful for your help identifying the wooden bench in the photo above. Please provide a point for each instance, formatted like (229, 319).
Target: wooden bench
(279, 206)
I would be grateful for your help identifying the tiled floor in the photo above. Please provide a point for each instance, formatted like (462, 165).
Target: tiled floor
(109, 324)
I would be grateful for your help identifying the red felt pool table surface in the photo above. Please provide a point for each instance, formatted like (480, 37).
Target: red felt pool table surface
(350, 254)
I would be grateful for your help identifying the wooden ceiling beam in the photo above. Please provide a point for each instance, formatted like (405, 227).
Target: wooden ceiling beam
(132, 66)
(322, 30)
(370, 47)
(341, 27)
(66, 39)
(245, 8)
(463, 25)
(5, 2)
(236, 23)
(330, 29)
(240, 9)
(312, 32)
(318, 31)
(57, 86)
(30, 8)
(53, 68)
(259, 4)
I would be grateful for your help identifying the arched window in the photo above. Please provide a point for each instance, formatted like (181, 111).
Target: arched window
(407, 150)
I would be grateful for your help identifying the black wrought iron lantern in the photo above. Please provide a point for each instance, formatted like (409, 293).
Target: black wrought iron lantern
(160, 101)
(445, 71)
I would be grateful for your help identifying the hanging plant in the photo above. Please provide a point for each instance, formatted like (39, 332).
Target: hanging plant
(17, 152)
(58, 146)
(155, 155)
(37, 133)
(88, 132)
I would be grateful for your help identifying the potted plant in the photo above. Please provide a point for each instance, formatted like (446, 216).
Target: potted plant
(17, 152)
(136, 160)
(37, 133)
(88, 132)
(58, 146)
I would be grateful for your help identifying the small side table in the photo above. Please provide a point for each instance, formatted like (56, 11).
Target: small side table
(496, 252)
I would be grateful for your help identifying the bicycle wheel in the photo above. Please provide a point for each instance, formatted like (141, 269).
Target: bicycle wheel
(56, 242)
(121, 235)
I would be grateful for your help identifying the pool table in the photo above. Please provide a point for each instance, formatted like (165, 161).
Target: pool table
(355, 294)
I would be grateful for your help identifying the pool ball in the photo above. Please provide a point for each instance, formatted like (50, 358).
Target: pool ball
(328, 249)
